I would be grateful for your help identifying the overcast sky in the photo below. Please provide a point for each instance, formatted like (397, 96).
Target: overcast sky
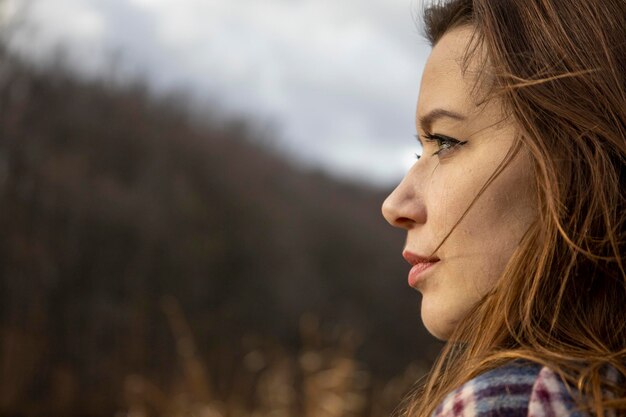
(339, 78)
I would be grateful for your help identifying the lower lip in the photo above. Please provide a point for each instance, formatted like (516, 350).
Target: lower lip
(416, 274)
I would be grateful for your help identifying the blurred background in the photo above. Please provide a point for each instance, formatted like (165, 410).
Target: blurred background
(190, 197)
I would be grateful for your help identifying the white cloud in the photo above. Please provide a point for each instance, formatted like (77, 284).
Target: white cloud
(50, 23)
(340, 76)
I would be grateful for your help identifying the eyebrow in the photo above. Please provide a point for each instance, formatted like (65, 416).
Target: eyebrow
(429, 118)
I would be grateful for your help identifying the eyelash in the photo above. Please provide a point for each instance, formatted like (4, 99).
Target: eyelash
(444, 143)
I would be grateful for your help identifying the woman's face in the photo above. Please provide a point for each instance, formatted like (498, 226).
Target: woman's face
(463, 144)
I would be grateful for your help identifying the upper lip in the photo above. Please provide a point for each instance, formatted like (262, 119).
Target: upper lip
(415, 259)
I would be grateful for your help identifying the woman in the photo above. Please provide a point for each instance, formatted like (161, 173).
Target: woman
(515, 210)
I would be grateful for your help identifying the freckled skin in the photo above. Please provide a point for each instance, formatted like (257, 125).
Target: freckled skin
(438, 188)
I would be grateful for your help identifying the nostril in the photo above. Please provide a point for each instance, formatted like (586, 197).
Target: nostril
(403, 222)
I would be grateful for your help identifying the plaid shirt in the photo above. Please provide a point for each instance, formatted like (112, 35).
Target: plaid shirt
(516, 390)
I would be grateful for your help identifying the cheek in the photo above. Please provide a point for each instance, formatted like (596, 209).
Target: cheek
(453, 189)
(482, 243)
(495, 225)
(444, 205)
(506, 208)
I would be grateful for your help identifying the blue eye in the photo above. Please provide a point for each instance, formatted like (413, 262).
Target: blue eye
(444, 143)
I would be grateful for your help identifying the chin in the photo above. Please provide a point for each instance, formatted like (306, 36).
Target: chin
(435, 322)
(440, 333)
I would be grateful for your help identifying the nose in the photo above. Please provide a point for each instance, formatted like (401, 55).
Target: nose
(404, 207)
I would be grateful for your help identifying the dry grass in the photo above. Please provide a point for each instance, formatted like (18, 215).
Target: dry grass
(319, 381)
(256, 379)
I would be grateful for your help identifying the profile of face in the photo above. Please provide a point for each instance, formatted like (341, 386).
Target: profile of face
(464, 141)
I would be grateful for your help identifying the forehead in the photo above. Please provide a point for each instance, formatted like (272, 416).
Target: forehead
(445, 84)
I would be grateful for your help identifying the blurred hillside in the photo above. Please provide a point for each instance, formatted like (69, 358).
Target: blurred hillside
(146, 253)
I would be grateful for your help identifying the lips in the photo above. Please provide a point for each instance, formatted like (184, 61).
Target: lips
(420, 265)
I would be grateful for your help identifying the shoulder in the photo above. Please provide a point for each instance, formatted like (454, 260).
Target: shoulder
(550, 397)
(514, 390)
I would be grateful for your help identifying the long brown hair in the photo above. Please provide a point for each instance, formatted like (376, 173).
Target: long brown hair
(559, 67)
